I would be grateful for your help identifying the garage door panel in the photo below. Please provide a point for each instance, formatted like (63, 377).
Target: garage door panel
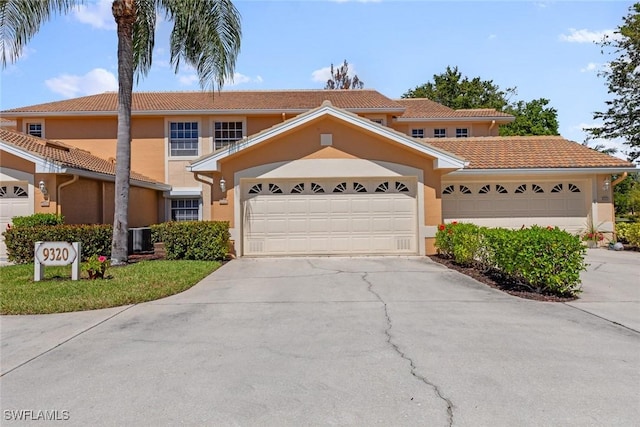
(560, 203)
(340, 206)
(331, 223)
(297, 206)
(318, 225)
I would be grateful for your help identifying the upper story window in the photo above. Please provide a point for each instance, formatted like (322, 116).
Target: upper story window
(440, 133)
(417, 133)
(225, 133)
(35, 129)
(183, 138)
(462, 132)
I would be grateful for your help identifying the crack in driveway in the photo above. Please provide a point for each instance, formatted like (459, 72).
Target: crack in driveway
(403, 355)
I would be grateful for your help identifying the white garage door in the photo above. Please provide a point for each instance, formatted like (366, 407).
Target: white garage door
(14, 201)
(517, 203)
(330, 217)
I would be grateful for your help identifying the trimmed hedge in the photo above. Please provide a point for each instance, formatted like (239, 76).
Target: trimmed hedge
(37, 219)
(20, 241)
(628, 233)
(195, 240)
(543, 259)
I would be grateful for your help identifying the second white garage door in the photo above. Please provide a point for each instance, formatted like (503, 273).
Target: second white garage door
(330, 217)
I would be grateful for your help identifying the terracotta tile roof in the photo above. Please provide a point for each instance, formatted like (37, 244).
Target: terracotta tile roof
(65, 155)
(281, 100)
(421, 108)
(523, 152)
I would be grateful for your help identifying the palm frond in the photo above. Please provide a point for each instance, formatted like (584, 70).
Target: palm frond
(144, 36)
(21, 19)
(206, 35)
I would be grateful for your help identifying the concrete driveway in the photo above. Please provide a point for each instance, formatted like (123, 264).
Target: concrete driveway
(331, 341)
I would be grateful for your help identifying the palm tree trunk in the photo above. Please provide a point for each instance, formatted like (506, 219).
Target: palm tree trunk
(124, 12)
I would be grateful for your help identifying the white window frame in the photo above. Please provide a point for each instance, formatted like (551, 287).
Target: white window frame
(168, 122)
(198, 203)
(226, 119)
(462, 132)
(417, 133)
(28, 123)
(440, 132)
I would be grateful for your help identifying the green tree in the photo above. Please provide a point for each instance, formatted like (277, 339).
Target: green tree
(531, 118)
(621, 119)
(206, 35)
(626, 195)
(457, 92)
(340, 78)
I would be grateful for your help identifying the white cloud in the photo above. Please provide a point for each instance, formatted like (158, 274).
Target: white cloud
(322, 75)
(586, 36)
(239, 79)
(591, 66)
(97, 14)
(492, 36)
(188, 79)
(95, 81)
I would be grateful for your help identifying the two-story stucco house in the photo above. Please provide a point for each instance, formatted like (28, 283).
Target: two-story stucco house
(305, 171)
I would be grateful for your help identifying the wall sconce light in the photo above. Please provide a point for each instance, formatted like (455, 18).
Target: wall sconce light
(43, 188)
(223, 188)
(606, 184)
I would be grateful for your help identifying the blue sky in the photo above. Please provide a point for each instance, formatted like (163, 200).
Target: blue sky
(545, 48)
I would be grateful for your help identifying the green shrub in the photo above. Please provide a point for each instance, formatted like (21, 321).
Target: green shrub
(37, 219)
(20, 241)
(194, 240)
(460, 241)
(629, 233)
(546, 260)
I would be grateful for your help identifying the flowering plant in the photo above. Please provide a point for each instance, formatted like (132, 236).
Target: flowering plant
(96, 266)
(595, 236)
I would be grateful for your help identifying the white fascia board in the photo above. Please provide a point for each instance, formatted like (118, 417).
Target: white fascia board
(541, 171)
(457, 119)
(441, 163)
(211, 163)
(42, 165)
(386, 132)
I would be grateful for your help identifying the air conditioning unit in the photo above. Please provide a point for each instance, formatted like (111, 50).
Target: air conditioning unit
(140, 240)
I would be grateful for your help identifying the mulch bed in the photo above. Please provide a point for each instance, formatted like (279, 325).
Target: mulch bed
(497, 282)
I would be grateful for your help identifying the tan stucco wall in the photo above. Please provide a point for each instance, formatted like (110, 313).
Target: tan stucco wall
(348, 142)
(89, 201)
(475, 128)
(98, 136)
(8, 160)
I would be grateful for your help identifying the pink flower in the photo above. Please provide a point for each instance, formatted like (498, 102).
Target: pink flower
(102, 258)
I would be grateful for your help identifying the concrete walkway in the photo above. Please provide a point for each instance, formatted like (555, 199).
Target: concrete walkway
(329, 341)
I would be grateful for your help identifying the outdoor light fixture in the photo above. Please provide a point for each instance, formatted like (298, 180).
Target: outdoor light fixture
(606, 184)
(223, 185)
(43, 188)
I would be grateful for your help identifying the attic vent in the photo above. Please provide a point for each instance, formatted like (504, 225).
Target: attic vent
(56, 145)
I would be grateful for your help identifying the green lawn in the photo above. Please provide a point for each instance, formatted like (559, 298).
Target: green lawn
(134, 283)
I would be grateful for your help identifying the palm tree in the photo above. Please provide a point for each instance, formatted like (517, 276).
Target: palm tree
(206, 35)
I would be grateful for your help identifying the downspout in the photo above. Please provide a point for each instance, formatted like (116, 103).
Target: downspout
(619, 179)
(493, 123)
(60, 187)
(284, 117)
